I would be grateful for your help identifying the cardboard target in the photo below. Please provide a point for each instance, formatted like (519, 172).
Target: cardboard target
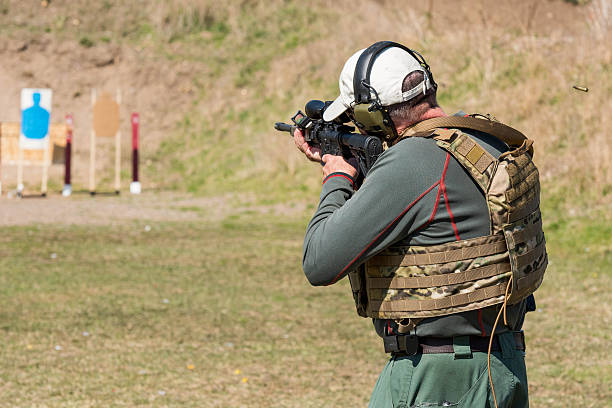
(106, 116)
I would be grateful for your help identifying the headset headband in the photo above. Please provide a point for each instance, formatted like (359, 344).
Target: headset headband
(361, 77)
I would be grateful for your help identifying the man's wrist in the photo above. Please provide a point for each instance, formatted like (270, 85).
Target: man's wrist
(337, 164)
(341, 175)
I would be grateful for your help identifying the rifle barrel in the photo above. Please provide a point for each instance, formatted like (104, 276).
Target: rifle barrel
(283, 127)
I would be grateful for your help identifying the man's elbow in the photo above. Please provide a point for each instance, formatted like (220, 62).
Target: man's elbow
(317, 276)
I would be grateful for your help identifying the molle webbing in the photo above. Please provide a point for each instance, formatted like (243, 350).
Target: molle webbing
(531, 256)
(411, 282)
(414, 306)
(438, 279)
(477, 161)
(437, 254)
(473, 153)
(523, 193)
(446, 279)
(527, 233)
(527, 251)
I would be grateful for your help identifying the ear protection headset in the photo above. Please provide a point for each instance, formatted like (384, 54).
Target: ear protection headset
(368, 112)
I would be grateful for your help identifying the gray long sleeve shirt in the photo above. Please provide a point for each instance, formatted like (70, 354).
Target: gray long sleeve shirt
(415, 194)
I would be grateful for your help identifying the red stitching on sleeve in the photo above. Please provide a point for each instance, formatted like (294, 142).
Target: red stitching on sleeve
(339, 175)
(443, 188)
(433, 212)
(385, 229)
(435, 209)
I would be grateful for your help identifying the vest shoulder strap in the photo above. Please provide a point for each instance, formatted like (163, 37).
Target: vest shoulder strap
(505, 133)
(479, 163)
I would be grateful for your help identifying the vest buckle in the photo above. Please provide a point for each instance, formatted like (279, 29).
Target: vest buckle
(407, 344)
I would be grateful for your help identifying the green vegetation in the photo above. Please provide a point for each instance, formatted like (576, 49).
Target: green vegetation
(250, 64)
(220, 314)
(231, 147)
(86, 42)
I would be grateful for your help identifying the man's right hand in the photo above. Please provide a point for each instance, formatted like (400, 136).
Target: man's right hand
(311, 153)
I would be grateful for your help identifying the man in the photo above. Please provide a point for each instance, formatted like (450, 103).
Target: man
(422, 239)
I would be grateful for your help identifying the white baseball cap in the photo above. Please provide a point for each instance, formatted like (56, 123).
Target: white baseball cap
(389, 69)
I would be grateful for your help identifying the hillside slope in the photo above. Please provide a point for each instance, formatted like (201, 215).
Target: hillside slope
(210, 79)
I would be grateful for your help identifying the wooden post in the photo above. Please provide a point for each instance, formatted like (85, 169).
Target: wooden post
(118, 150)
(45, 168)
(106, 123)
(0, 159)
(67, 190)
(135, 187)
(20, 171)
(92, 150)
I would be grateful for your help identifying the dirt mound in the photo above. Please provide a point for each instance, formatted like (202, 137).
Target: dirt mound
(208, 66)
(36, 52)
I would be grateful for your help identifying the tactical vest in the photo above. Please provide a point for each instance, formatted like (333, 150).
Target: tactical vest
(412, 282)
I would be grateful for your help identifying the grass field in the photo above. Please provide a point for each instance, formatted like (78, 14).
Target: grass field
(201, 301)
(218, 314)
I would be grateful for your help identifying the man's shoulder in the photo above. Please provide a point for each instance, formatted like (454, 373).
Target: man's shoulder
(415, 141)
(418, 148)
(411, 159)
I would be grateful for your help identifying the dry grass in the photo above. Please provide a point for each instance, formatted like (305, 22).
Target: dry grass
(514, 61)
(244, 65)
(232, 69)
(250, 343)
(219, 314)
(517, 61)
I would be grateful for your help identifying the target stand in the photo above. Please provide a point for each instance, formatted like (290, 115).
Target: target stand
(105, 124)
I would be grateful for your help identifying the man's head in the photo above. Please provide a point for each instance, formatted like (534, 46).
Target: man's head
(383, 88)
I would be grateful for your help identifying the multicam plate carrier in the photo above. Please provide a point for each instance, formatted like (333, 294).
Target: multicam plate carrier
(426, 281)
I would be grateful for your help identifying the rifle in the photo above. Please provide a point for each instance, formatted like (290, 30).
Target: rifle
(334, 137)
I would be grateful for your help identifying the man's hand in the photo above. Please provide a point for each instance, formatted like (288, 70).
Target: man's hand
(311, 153)
(331, 164)
(338, 164)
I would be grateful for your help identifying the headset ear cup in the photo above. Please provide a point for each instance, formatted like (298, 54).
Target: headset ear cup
(375, 122)
(391, 131)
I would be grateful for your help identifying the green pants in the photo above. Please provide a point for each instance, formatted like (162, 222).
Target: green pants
(458, 379)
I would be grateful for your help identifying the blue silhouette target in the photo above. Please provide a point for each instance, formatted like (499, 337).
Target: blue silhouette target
(35, 115)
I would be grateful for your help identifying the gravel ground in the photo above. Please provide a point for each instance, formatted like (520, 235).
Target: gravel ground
(82, 209)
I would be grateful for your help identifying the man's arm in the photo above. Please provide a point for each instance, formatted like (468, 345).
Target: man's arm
(398, 197)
